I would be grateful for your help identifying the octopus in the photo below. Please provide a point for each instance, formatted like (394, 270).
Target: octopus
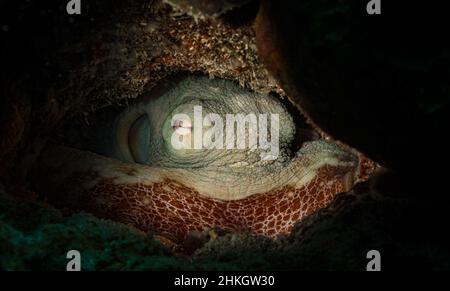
(172, 201)
(167, 206)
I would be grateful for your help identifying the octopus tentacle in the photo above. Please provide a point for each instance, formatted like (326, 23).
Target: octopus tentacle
(111, 189)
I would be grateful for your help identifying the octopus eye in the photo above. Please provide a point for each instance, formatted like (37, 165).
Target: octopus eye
(199, 154)
(201, 123)
(138, 139)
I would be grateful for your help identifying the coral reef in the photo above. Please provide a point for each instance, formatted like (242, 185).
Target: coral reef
(340, 69)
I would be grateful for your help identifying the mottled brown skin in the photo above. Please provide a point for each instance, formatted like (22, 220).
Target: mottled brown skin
(173, 210)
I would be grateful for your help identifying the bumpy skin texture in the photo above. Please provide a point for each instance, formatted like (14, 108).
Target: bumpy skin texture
(82, 181)
(350, 227)
(112, 53)
(171, 209)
